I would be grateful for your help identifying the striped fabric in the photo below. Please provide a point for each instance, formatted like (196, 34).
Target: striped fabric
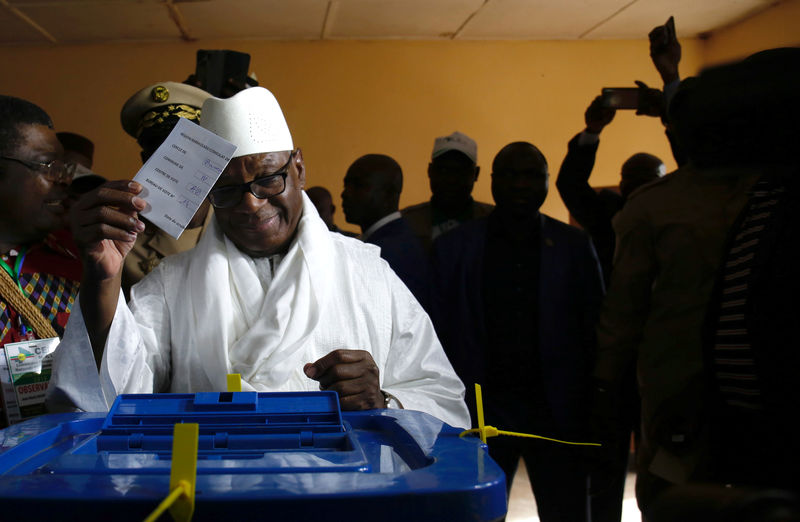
(50, 276)
(5, 321)
(733, 356)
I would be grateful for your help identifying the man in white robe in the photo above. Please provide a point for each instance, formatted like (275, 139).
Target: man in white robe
(268, 293)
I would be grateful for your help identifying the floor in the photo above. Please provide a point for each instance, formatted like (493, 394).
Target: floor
(522, 506)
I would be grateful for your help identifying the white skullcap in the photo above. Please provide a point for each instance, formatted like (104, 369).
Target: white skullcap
(251, 119)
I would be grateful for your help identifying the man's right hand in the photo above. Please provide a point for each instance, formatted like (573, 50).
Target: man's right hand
(105, 225)
(597, 116)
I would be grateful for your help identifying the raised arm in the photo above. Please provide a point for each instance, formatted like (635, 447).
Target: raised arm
(105, 225)
(573, 176)
(665, 51)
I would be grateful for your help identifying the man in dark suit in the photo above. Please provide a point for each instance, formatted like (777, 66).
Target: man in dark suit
(323, 201)
(594, 210)
(370, 200)
(515, 298)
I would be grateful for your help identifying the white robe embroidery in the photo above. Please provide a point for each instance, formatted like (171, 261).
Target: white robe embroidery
(213, 310)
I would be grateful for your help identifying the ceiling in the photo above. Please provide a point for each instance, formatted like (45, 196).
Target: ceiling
(26, 22)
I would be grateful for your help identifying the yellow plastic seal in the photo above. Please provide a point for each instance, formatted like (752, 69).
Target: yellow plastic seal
(484, 431)
(234, 382)
(183, 476)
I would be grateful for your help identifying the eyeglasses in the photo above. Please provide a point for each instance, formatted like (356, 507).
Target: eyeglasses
(262, 188)
(56, 171)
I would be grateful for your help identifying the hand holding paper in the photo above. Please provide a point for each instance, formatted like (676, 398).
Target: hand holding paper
(167, 190)
(105, 226)
(179, 175)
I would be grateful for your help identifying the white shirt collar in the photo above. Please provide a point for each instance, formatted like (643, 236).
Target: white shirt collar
(378, 224)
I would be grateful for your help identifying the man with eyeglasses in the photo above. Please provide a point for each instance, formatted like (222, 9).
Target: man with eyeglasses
(39, 265)
(268, 293)
(515, 298)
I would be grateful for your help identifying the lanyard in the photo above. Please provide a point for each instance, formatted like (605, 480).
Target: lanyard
(17, 267)
(26, 334)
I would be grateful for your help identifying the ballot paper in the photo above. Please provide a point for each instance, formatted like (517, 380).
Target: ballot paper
(179, 175)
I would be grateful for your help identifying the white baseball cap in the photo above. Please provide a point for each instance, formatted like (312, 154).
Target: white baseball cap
(456, 141)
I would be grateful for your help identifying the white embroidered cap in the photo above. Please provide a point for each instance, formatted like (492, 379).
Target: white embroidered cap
(251, 119)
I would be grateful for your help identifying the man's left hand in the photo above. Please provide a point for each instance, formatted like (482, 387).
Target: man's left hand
(352, 374)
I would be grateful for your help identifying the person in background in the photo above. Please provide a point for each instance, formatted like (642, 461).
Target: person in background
(452, 172)
(515, 300)
(749, 331)
(323, 201)
(39, 265)
(149, 116)
(268, 293)
(370, 199)
(79, 150)
(594, 210)
(665, 53)
(735, 124)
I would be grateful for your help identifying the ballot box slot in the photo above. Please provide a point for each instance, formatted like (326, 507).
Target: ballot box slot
(220, 442)
(246, 423)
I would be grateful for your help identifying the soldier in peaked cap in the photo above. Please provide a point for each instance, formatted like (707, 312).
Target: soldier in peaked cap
(149, 116)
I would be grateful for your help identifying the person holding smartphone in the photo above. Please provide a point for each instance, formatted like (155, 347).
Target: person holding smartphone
(595, 210)
(676, 239)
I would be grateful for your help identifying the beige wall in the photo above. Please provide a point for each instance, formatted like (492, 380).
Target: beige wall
(345, 99)
(778, 26)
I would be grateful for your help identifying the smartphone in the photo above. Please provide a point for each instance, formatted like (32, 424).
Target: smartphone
(215, 67)
(620, 97)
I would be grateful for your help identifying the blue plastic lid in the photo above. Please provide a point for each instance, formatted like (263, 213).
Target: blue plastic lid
(274, 455)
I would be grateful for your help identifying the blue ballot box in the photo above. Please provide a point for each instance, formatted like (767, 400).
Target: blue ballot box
(261, 456)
